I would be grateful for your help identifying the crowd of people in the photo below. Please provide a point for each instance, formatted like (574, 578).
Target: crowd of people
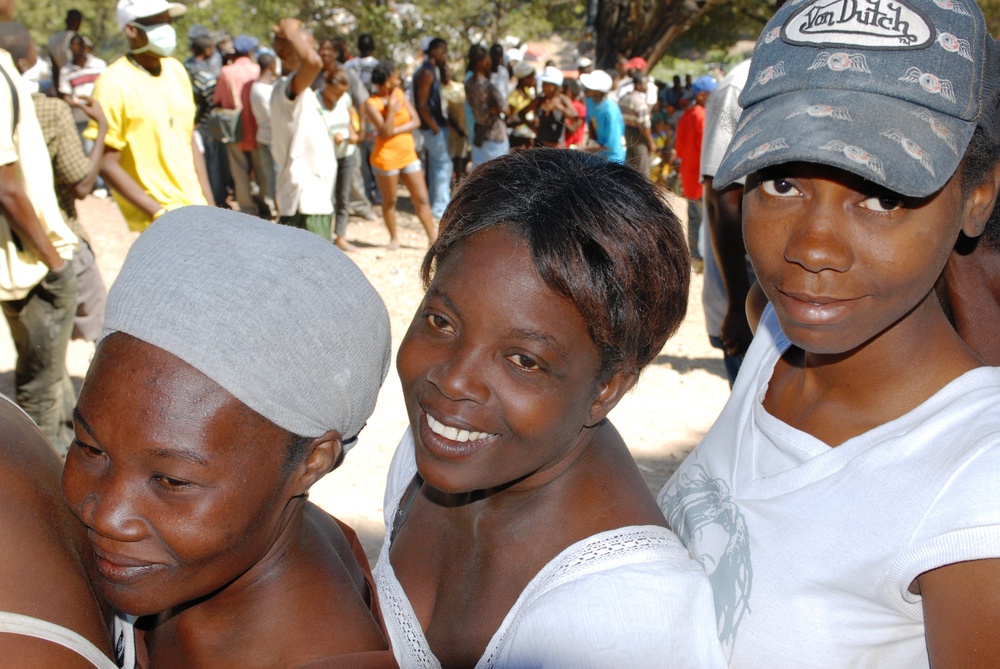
(513, 102)
(843, 191)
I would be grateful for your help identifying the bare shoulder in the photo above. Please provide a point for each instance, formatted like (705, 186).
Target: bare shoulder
(330, 588)
(612, 486)
(42, 565)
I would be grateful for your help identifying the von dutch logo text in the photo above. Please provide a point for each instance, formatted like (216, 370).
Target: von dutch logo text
(872, 24)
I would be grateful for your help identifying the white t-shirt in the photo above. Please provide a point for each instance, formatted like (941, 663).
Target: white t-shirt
(501, 79)
(722, 114)
(76, 81)
(25, 149)
(627, 86)
(301, 145)
(338, 121)
(628, 598)
(260, 105)
(363, 68)
(811, 549)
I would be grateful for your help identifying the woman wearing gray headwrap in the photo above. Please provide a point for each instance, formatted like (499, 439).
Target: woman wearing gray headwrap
(239, 361)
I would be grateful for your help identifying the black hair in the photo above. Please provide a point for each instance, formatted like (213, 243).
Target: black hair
(266, 61)
(382, 71)
(981, 156)
(600, 234)
(15, 39)
(477, 52)
(366, 44)
(202, 44)
(295, 451)
(435, 43)
(573, 87)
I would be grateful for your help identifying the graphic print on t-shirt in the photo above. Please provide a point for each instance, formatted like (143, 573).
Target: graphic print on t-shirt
(701, 511)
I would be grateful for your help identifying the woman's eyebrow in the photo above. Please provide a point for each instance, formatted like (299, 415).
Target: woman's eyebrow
(177, 453)
(534, 335)
(434, 291)
(78, 418)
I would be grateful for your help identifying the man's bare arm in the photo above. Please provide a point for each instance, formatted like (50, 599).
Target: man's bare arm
(23, 220)
(724, 211)
(122, 181)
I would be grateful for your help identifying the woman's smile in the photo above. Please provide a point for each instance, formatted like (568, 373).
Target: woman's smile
(499, 371)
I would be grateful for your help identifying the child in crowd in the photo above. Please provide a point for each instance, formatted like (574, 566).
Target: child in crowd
(845, 502)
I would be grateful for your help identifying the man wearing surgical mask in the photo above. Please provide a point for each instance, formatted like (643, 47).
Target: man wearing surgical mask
(155, 165)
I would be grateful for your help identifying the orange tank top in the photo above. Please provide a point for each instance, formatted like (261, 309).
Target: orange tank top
(396, 152)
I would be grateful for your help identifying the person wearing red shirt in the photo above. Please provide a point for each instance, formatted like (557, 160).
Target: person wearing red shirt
(690, 130)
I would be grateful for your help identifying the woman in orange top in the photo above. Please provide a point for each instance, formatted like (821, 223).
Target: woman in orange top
(394, 156)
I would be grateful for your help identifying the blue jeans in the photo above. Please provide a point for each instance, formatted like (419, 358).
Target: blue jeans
(488, 151)
(439, 169)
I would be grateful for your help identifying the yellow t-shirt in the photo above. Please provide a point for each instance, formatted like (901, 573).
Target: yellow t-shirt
(150, 121)
(518, 100)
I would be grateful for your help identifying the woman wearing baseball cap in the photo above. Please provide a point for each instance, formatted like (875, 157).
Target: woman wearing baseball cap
(844, 504)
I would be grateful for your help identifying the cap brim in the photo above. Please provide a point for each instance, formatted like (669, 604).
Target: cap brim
(176, 9)
(909, 149)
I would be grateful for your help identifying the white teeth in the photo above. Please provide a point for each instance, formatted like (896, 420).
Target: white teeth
(453, 433)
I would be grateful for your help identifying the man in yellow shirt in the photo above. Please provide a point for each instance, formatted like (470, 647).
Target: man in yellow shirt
(151, 160)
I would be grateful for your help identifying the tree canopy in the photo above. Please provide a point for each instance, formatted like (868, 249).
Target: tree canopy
(647, 28)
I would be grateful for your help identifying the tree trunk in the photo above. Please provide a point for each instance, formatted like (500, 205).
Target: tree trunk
(642, 27)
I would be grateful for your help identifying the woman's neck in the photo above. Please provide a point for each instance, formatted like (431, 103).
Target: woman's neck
(836, 397)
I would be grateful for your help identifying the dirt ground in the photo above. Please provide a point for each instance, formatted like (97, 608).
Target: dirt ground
(666, 414)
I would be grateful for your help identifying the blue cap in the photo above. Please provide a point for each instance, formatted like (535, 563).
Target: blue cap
(890, 90)
(704, 84)
(245, 44)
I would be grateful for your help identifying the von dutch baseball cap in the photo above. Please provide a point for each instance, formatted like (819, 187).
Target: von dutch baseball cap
(890, 90)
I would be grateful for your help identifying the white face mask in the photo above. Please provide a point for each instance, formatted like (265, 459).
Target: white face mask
(33, 75)
(161, 39)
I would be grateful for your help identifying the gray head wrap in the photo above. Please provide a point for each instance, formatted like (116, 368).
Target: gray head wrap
(277, 316)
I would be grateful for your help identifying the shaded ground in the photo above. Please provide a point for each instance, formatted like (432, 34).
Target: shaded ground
(672, 406)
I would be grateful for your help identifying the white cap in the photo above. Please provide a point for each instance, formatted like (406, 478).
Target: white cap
(130, 10)
(522, 70)
(425, 42)
(598, 80)
(583, 61)
(512, 55)
(552, 75)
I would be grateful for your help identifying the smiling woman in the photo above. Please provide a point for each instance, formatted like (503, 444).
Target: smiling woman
(229, 379)
(521, 532)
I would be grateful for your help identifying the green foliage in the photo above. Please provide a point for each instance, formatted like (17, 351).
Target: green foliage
(396, 27)
(991, 10)
(461, 22)
(724, 25)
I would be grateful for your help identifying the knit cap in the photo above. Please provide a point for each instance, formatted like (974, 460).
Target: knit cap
(277, 316)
